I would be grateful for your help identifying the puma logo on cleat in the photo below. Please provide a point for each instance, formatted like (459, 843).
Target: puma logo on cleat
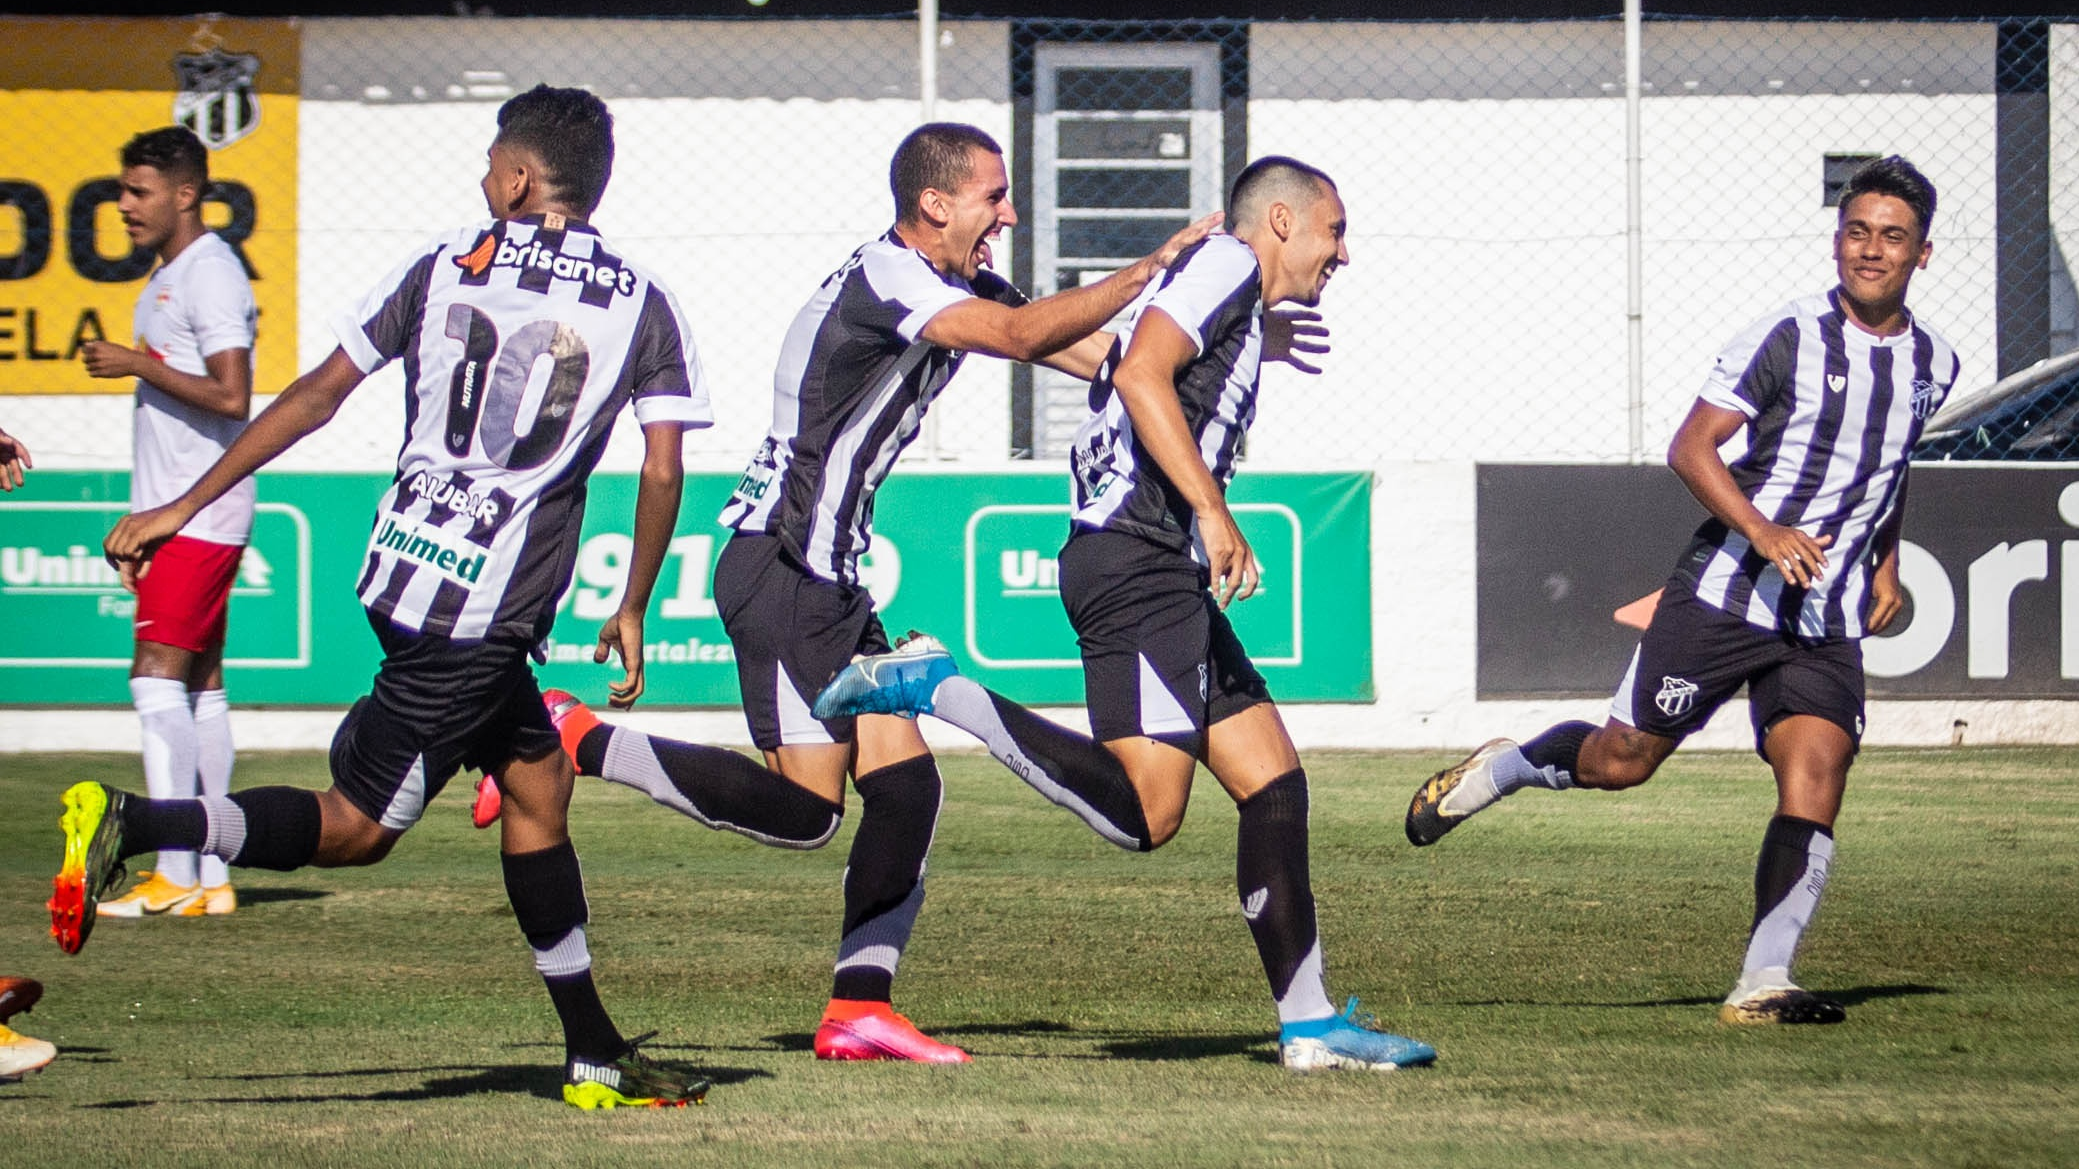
(610, 1076)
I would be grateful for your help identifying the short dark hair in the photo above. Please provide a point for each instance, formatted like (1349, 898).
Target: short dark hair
(1893, 176)
(1268, 178)
(173, 151)
(935, 156)
(571, 132)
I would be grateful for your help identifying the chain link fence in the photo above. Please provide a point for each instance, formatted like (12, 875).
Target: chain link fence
(1485, 315)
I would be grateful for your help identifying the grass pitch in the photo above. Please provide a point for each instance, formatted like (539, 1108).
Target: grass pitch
(1565, 954)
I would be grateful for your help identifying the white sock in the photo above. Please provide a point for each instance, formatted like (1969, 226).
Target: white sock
(1512, 771)
(1307, 998)
(168, 726)
(213, 763)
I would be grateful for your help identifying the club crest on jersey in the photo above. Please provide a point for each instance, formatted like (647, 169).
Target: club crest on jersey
(216, 98)
(1924, 400)
(1676, 697)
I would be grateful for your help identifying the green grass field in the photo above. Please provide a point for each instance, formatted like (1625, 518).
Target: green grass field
(1565, 954)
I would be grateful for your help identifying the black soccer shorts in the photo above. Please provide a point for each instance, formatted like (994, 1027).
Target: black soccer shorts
(792, 632)
(1693, 657)
(437, 705)
(1159, 657)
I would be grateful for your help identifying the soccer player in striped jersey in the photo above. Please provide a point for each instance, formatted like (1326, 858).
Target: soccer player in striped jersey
(862, 362)
(470, 549)
(1167, 683)
(1797, 562)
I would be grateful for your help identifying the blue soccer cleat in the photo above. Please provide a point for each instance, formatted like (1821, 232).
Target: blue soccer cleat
(1350, 1040)
(901, 682)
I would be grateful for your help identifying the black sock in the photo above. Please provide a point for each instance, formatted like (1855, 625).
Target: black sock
(1270, 870)
(1559, 747)
(282, 825)
(884, 877)
(547, 890)
(150, 825)
(713, 785)
(591, 752)
(1072, 770)
(1786, 850)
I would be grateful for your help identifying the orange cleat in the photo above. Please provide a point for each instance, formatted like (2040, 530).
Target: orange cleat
(868, 1030)
(489, 803)
(93, 827)
(574, 720)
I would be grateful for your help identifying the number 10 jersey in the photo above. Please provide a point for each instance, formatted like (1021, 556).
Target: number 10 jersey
(521, 341)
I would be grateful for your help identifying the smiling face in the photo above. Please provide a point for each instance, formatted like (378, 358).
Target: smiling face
(152, 205)
(1877, 248)
(973, 214)
(1316, 247)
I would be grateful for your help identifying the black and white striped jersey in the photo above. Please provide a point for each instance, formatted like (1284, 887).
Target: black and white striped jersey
(521, 341)
(1214, 292)
(1833, 413)
(855, 377)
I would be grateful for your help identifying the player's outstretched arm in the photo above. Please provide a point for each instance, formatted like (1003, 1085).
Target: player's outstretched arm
(1146, 382)
(308, 403)
(656, 515)
(14, 459)
(1050, 324)
(227, 388)
(1694, 458)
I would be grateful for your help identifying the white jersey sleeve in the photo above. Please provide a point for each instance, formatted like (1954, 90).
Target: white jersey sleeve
(906, 289)
(1196, 293)
(668, 384)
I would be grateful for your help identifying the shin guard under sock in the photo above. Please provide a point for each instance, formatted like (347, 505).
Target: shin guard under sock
(1067, 768)
(1789, 878)
(884, 877)
(547, 891)
(1271, 873)
(713, 785)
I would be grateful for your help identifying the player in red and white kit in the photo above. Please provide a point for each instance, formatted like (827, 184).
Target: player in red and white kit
(194, 372)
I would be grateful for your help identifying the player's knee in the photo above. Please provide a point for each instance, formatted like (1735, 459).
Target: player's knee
(1163, 826)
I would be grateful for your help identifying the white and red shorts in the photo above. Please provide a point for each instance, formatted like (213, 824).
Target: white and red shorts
(183, 597)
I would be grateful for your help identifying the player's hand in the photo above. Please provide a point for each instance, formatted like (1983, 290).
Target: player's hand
(108, 359)
(1287, 333)
(14, 460)
(622, 635)
(130, 544)
(1801, 558)
(1887, 596)
(1167, 254)
(1233, 563)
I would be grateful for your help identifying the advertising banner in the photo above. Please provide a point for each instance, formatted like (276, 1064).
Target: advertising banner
(1571, 558)
(68, 274)
(969, 558)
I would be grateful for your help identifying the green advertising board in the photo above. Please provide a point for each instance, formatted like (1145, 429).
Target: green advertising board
(968, 557)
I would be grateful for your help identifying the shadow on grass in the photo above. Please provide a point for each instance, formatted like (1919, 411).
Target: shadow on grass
(530, 1079)
(1135, 1045)
(261, 895)
(1854, 996)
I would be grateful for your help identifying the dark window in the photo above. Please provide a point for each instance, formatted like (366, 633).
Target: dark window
(1125, 239)
(1124, 188)
(1122, 89)
(1839, 169)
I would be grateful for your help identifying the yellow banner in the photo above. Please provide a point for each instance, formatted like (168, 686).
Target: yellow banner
(72, 91)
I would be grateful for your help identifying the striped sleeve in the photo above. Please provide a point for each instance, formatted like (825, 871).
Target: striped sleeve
(379, 328)
(1201, 283)
(1753, 371)
(668, 383)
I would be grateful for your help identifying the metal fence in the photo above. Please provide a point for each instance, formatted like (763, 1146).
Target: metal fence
(1486, 315)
